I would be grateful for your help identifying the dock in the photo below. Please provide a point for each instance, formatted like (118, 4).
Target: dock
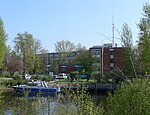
(91, 87)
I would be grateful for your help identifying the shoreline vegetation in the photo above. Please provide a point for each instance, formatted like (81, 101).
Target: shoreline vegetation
(129, 98)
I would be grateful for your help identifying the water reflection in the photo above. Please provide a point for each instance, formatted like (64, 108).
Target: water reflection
(11, 105)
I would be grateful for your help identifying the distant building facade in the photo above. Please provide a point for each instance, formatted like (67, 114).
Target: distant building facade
(67, 68)
(58, 66)
(109, 57)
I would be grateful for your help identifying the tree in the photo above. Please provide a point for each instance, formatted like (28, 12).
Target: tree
(64, 48)
(27, 48)
(3, 38)
(15, 65)
(6, 57)
(80, 47)
(86, 60)
(128, 58)
(41, 62)
(144, 39)
(23, 47)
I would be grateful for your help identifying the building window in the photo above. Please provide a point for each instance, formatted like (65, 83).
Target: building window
(64, 68)
(97, 52)
(111, 49)
(111, 64)
(111, 52)
(111, 56)
(111, 60)
(76, 68)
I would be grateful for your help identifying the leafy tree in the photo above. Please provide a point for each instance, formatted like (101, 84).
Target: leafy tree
(86, 60)
(3, 37)
(41, 61)
(80, 47)
(38, 50)
(126, 39)
(138, 64)
(64, 48)
(15, 65)
(27, 48)
(6, 58)
(23, 47)
(144, 39)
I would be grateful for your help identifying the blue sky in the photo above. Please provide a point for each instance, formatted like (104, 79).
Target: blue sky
(78, 21)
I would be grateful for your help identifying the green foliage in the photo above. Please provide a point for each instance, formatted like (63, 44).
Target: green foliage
(128, 52)
(73, 103)
(47, 78)
(65, 49)
(64, 46)
(27, 48)
(5, 74)
(37, 67)
(118, 76)
(3, 37)
(97, 76)
(17, 78)
(79, 102)
(8, 83)
(86, 60)
(131, 99)
(144, 39)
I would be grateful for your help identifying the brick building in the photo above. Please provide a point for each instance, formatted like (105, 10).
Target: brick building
(109, 57)
(57, 66)
(67, 68)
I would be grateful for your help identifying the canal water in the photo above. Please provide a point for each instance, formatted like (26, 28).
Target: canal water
(12, 105)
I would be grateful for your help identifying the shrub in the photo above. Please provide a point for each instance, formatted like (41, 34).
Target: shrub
(97, 76)
(79, 102)
(131, 99)
(47, 78)
(16, 76)
(5, 74)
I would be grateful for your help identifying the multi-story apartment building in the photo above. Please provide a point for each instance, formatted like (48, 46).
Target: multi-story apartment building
(56, 63)
(109, 57)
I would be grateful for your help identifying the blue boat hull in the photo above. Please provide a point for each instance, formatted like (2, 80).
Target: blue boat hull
(36, 91)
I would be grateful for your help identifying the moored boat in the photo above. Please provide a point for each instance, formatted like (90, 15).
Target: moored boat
(36, 88)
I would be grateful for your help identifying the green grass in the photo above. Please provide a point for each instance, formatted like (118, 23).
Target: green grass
(81, 81)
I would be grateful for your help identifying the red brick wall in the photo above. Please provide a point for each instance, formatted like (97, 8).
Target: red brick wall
(68, 69)
(118, 58)
(106, 60)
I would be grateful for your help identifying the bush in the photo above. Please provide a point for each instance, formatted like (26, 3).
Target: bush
(131, 99)
(79, 102)
(5, 74)
(7, 83)
(16, 76)
(97, 76)
(47, 78)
